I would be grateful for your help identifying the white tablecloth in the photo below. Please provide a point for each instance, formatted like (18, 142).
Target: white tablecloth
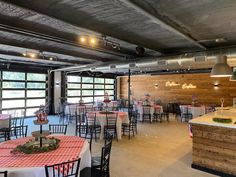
(72, 108)
(196, 111)
(40, 171)
(122, 118)
(4, 120)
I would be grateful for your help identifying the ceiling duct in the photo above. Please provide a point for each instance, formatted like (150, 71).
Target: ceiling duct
(132, 65)
(161, 63)
(198, 59)
(112, 66)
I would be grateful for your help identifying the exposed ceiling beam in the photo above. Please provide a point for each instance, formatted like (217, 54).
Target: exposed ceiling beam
(161, 22)
(84, 57)
(68, 21)
(52, 38)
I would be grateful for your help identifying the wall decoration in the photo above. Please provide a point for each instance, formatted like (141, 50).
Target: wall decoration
(188, 86)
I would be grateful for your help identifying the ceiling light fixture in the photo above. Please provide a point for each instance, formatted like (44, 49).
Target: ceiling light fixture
(82, 39)
(92, 41)
(221, 68)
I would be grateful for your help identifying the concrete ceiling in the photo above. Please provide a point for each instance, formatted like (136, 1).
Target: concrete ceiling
(163, 28)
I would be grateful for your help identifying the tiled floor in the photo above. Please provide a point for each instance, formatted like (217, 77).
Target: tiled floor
(159, 150)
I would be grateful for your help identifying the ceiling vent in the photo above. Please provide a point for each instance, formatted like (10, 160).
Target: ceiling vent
(200, 59)
(132, 65)
(161, 63)
(112, 66)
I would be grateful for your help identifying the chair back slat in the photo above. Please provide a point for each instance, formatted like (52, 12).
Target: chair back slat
(64, 169)
(111, 119)
(57, 129)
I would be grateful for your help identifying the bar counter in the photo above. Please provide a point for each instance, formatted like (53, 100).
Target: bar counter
(214, 144)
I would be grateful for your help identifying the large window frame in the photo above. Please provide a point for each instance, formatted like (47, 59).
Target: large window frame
(87, 87)
(37, 93)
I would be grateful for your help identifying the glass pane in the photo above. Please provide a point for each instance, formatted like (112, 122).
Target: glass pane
(109, 81)
(73, 78)
(98, 99)
(13, 93)
(76, 86)
(99, 86)
(87, 99)
(36, 85)
(109, 86)
(14, 112)
(13, 103)
(35, 93)
(13, 85)
(31, 111)
(110, 92)
(87, 86)
(35, 102)
(73, 92)
(87, 92)
(36, 77)
(73, 100)
(7, 75)
(99, 80)
(98, 92)
(87, 79)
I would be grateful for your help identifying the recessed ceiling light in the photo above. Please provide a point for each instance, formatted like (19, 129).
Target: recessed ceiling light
(24, 54)
(32, 55)
(51, 58)
(82, 39)
(92, 41)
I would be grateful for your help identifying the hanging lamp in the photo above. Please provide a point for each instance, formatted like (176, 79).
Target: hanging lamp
(221, 68)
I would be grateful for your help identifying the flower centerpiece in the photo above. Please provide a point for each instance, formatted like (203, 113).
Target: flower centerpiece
(106, 101)
(147, 100)
(41, 114)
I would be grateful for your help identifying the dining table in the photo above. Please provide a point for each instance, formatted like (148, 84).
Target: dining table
(32, 165)
(4, 120)
(122, 118)
(139, 107)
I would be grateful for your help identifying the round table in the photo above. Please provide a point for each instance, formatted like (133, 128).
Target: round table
(4, 120)
(32, 165)
(122, 118)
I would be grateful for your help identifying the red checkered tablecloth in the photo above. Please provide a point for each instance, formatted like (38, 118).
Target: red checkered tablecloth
(70, 147)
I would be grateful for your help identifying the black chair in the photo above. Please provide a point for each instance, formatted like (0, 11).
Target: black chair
(5, 133)
(64, 169)
(57, 129)
(165, 113)
(130, 127)
(147, 114)
(185, 114)
(92, 123)
(103, 169)
(81, 125)
(3, 173)
(157, 115)
(111, 120)
(89, 137)
(19, 131)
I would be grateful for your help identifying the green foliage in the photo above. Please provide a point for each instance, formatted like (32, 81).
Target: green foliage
(222, 120)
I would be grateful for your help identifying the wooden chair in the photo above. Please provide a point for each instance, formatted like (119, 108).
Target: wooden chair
(103, 169)
(147, 114)
(19, 131)
(92, 123)
(57, 129)
(130, 127)
(111, 121)
(80, 126)
(64, 169)
(3, 173)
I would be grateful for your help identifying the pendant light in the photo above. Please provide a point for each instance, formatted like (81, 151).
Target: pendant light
(221, 68)
(233, 77)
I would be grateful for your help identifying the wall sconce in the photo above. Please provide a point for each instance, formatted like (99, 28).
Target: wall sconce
(57, 84)
(156, 86)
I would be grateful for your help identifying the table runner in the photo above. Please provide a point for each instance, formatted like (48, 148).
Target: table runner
(70, 147)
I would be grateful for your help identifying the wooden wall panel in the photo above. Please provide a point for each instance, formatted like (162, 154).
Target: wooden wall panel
(206, 92)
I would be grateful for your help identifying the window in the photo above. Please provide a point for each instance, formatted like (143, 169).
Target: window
(23, 91)
(88, 89)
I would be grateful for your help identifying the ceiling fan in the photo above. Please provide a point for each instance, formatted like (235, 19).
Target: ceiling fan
(217, 40)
